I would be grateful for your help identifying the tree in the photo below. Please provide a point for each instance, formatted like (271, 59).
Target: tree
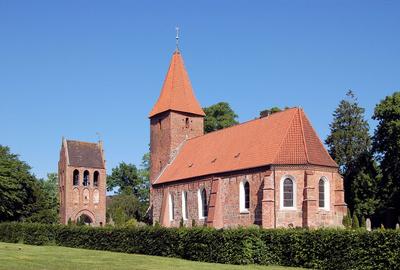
(124, 207)
(219, 116)
(125, 178)
(45, 208)
(386, 144)
(349, 137)
(349, 144)
(17, 187)
(144, 179)
(356, 223)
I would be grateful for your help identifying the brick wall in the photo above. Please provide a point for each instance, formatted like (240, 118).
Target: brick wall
(265, 202)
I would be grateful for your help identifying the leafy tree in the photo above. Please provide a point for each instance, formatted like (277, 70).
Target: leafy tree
(124, 207)
(349, 144)
(125, 178)
(219, 116)
(386, 144)
(45, 207)
(17, 186)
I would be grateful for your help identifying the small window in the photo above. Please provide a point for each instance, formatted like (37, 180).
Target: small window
(86, 178)
(159, 124)
(187, 122)
(171, 207)
(76, 178)
(160, 166)
(202, 202)
(185, 213)
(288, 193)
(244, 196)
(96, 179)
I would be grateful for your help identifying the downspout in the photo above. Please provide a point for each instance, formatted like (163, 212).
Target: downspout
(274, 201)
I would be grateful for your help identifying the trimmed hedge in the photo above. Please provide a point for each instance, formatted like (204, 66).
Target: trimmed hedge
(321, 249)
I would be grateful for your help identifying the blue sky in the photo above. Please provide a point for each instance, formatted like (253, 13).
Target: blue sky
(74, 68)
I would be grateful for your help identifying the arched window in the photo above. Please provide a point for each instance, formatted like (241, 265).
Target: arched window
(96, 179)
(323, 193)
(76, 177)
(202, 202)
(86, 178)
(171, 207)
(288, 193)
(244, 196)
(185, 213)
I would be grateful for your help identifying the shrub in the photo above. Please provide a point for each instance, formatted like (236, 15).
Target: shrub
(320, 248)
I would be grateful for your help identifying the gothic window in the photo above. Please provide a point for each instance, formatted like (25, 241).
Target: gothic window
(96, 179)
(86, 178)
(202, 203)
(244, 196)
(171, 207)
(288, 193)
(323, 193)
(185, 213)
(76, 177)
(159, 124)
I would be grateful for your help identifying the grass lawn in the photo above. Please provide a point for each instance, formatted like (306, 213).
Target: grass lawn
(18, 256)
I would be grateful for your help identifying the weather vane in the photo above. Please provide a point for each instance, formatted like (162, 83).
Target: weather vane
(177, 38)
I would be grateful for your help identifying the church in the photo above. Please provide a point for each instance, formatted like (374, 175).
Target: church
(272, 172)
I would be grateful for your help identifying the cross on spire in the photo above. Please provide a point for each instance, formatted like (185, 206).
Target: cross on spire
(177, 38)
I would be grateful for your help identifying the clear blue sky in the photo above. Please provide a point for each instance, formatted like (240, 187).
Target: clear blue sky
(74, 68)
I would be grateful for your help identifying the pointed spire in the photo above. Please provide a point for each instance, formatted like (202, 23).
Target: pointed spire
(177, 93)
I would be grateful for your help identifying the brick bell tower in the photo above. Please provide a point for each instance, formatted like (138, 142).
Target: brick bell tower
(82, 182)
(176, 117)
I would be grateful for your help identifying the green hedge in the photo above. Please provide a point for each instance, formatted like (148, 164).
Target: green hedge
(321, 249)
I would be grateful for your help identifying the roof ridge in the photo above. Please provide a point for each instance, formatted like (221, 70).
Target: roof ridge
(241, 124)
(96, 143)
(284, 138)
(304, 136)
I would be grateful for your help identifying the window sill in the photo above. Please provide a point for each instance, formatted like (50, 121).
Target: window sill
(288, 209)
(244, 211)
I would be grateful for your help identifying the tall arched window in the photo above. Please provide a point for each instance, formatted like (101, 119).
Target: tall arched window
(96, 179)
(202, 203)
(171, 207)
(323, 193)
(288, 193)
(86, 178)
(244, 196)
(76, 177)
(185, 213)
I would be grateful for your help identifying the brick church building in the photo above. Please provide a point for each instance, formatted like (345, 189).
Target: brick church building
(273, 171)
(82, 182)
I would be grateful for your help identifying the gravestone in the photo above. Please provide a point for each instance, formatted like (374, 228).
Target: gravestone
(368, 224)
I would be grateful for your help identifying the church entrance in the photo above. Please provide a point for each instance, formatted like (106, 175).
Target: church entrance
(84, 220)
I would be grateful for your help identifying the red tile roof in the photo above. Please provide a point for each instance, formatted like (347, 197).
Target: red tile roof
(177, 93)
(284, 138)
(85, 154)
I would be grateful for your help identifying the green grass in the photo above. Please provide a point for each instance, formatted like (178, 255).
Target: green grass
(21, 257)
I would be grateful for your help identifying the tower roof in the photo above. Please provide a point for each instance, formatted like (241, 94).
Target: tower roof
(84, 154)
(177, 93)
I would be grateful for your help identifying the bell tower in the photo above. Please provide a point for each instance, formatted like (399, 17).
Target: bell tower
(176, 117)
